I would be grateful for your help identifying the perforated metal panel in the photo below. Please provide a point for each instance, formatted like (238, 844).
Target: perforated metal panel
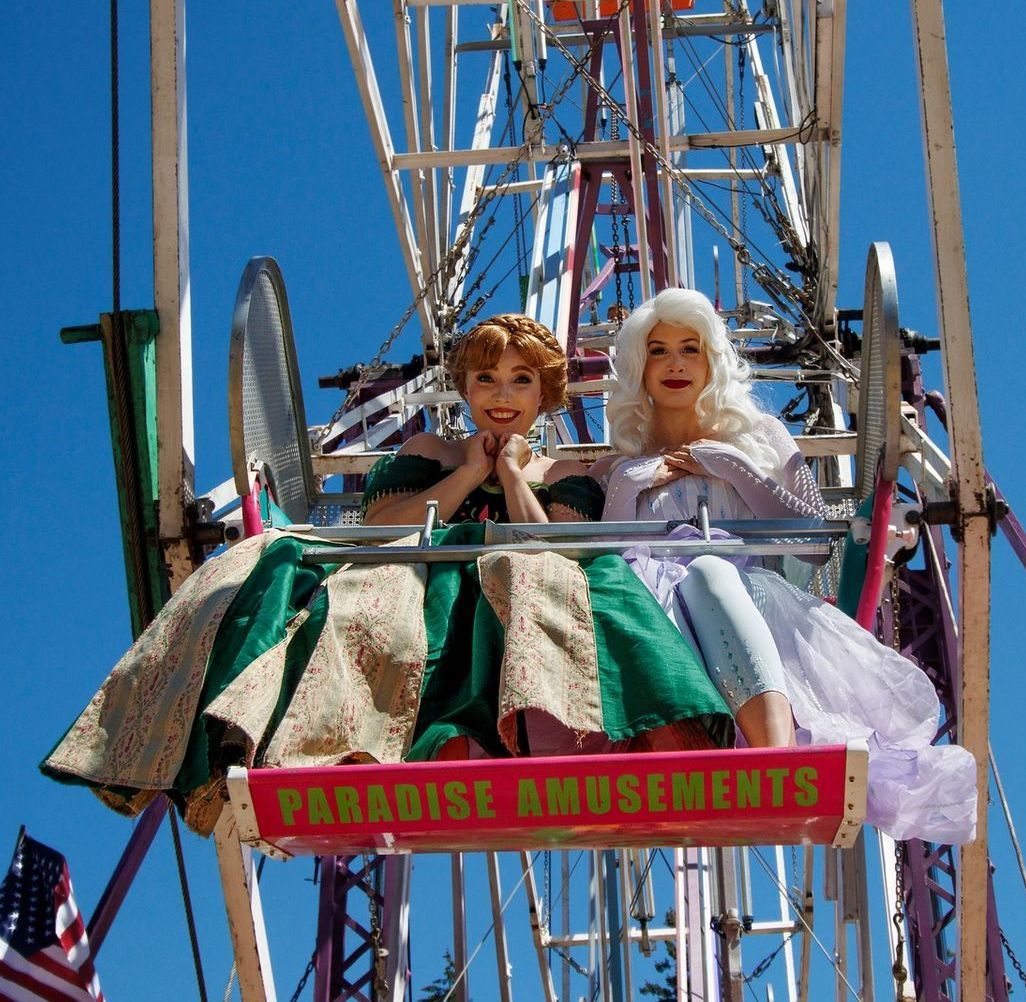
(880, 379)
(265, 400)
(827, 578)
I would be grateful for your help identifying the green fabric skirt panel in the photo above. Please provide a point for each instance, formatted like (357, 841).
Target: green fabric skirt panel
(648, 673)
(460, 695)
(278, 588)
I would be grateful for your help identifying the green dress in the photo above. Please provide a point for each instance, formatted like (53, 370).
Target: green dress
(261, 659)
(397, 474)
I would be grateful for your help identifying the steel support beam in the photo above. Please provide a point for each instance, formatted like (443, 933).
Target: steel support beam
(176, 464)
(245, 913)
(599, 150)
(970, 478)
(370, 95)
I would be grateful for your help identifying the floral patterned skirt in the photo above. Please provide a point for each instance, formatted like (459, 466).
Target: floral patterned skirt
(260, 659)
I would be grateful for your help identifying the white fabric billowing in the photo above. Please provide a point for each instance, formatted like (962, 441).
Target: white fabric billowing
(843, 684)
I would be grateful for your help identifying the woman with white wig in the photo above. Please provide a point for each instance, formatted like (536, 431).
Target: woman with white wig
(686, 428)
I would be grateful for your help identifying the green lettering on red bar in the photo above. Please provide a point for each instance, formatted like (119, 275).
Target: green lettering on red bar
(720, 789)
(629, 800)
(596, 794)
(318, 811)
(347, 800)
(562, 796)
(456, 797)
(378, 808)
(289, 801)
(407, 802)
(483, 798)
(688, 791)
(805, 777)
(528, 799)
(777, 778)
(434, 811)
(749, 788)
(572, 795)
(656, 791)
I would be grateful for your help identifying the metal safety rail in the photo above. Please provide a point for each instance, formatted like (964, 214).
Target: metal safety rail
(807, 538)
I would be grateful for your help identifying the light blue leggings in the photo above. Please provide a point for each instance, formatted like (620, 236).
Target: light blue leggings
(729, 631)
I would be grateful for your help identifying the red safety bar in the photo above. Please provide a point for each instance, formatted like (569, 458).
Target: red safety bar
(763, 796)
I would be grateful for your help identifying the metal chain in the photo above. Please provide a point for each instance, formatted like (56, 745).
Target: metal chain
(630, 269)
(484, 198)
(898, 968)
(518, 215)
(305, 977)
(379, 952)
(895, 611)
(1011, 955)
(615, 199)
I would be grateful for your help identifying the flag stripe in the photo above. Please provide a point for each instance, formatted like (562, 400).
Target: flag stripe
(45, 961)
(10, 974)
(53, 960)
(10, 992)
(11, 960)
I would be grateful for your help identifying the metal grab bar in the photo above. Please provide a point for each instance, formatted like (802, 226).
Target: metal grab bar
(764, 528)
(573, 550)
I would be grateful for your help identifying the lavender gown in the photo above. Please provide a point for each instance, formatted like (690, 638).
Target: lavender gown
(842, 683)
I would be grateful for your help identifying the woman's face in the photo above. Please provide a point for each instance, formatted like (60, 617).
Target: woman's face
(506, 398)
(676, 367)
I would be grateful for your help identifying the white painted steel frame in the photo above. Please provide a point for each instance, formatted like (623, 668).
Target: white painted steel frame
(171, 289)
(598, 150)
(830, 43)
(370, 95)
(245, 912)
(634, 152)
(418, 178)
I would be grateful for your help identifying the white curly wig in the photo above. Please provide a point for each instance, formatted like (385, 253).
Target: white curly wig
(725, 408)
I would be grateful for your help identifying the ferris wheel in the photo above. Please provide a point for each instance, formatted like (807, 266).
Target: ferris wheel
(575, 157)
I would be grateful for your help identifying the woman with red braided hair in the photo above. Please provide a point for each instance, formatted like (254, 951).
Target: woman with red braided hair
(508, 369)
(591, 644)
(264, 659)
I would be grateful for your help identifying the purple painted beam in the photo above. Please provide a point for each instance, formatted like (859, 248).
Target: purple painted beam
(124, 873)
(649, 166)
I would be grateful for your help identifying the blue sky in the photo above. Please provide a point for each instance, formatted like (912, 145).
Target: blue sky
(280, 163)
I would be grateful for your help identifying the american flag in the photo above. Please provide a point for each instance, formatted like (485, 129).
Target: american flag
(44, 952)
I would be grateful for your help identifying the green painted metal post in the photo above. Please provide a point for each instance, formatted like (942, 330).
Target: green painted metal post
(135, 461)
